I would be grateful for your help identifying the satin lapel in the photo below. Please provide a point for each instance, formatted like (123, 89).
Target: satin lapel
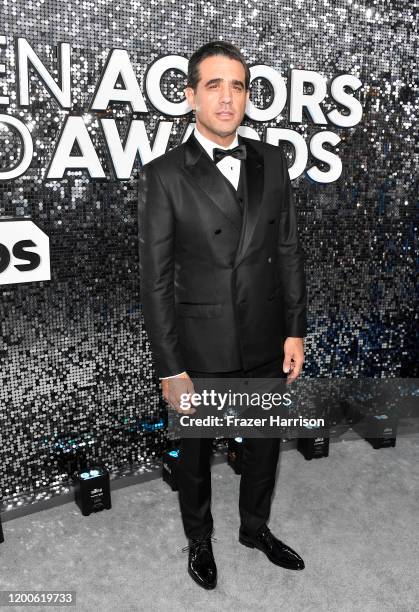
(204, 172)
(255, 185)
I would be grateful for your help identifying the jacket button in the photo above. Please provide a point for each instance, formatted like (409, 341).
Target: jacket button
(217, 231)
(269, 259)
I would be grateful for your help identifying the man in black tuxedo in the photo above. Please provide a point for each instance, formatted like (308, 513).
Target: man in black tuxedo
(222, 287)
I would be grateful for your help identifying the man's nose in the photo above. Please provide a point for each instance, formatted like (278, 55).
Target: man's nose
(226, 93)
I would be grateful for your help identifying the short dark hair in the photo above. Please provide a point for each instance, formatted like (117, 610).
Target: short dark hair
(217, 47)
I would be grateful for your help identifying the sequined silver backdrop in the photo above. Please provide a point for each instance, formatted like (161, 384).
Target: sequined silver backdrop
(75, 364)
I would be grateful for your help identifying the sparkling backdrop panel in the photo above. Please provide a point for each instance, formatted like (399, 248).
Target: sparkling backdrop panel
(75, 363)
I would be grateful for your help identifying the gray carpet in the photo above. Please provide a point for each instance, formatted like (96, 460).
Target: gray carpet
(353, 517)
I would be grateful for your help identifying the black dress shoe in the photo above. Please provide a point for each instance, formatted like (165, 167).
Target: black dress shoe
(276, 551)
(201, 563)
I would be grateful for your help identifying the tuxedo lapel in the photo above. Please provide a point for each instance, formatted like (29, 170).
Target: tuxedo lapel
(254, 185)
(202, 170)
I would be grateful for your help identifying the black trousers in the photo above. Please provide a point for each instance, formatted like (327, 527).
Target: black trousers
(259, 464)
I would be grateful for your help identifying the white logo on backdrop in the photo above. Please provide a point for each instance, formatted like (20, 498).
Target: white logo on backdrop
(24, 252)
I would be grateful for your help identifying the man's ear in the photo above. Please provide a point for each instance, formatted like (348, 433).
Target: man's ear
(190, 96)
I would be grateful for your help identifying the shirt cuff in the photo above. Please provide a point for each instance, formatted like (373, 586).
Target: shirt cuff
(173, 376)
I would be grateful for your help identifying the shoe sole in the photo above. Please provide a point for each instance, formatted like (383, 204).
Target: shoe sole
(284, 565)
(208, 587)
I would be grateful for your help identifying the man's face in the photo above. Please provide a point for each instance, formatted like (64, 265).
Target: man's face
(220, 98)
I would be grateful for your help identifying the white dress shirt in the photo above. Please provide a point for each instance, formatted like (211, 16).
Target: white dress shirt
(229, 166)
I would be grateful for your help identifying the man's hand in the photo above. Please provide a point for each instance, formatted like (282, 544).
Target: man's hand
(293, 358)
(173, 388)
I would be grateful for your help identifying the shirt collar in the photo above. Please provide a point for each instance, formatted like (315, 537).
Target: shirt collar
(209, 145)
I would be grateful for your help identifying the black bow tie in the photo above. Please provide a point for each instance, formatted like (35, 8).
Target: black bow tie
(239, 152)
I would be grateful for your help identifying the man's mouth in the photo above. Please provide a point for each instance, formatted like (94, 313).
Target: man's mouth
(225, 114)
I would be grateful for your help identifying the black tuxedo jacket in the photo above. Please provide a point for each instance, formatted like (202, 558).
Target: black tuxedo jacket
(217, 284)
